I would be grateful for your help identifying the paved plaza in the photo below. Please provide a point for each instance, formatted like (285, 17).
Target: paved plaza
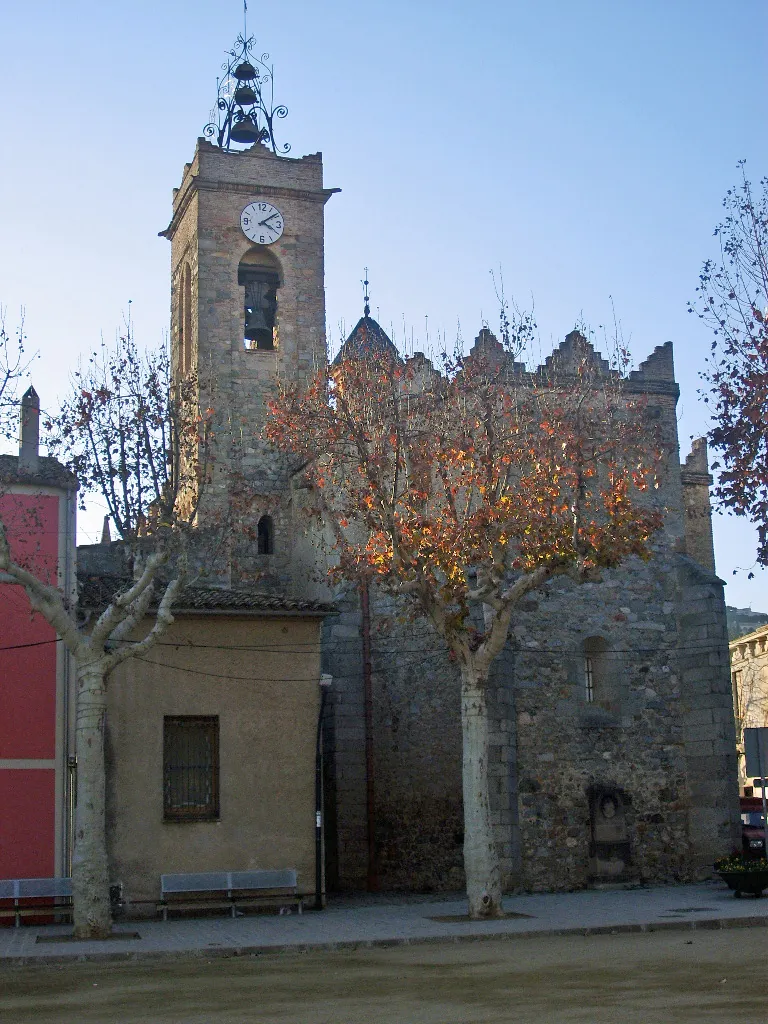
(386, 919)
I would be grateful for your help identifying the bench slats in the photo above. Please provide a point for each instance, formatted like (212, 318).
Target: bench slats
(263, 879)
(203, 881)
(43, 890)
(241, 888)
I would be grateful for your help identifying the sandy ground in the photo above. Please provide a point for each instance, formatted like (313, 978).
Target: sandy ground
(660, 977)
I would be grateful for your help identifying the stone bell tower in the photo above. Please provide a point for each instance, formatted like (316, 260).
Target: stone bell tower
(247, 286)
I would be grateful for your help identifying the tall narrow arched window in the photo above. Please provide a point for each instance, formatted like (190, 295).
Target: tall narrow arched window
(259, 276)
(265, 536)
(598, 688)
(185, 320)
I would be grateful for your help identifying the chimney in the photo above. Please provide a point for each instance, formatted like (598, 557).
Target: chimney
(106, 536)
(29, 431)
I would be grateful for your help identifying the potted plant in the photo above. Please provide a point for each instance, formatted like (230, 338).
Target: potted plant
(743, 874)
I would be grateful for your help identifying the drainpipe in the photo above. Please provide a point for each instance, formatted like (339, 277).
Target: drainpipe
(365, 607)
(325, 685)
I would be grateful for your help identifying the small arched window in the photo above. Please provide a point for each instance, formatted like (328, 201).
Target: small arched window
(265, 536)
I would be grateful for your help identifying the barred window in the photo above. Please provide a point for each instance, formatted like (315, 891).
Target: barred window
(598, 675)
(589, 678)
(191, 768)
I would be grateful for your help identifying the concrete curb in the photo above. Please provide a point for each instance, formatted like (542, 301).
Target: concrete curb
(223, 953)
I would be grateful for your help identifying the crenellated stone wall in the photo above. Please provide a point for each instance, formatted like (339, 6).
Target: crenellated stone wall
(658, 732)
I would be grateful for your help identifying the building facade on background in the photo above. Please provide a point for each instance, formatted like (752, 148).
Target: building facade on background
(38, 506)
(749, 679)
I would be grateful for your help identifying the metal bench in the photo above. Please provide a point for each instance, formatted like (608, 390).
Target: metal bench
(35, 896)
(229, 890)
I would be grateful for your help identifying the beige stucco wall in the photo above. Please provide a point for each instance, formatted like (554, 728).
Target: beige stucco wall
(260, 676)
(749, 678)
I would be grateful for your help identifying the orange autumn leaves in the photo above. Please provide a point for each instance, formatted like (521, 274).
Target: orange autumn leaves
(430, 479)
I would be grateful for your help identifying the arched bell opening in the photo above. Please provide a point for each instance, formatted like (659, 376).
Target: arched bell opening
(265, 536)
(259, 276)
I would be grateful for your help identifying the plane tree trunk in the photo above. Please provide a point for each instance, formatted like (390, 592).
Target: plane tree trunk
(481, 857)
(90, 872)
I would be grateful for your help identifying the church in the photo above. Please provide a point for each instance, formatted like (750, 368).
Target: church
(613, 755)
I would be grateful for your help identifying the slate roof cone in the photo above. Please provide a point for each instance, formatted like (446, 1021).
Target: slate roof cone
(367, 337)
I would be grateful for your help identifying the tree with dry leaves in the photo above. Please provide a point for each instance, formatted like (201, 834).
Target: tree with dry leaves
(465, 488)
(13, 366)
(732, 300)
(139, 441)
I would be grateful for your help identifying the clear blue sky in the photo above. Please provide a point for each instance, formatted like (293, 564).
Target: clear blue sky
(593, 141)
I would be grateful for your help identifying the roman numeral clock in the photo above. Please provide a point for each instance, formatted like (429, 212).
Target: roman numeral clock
(262, 223)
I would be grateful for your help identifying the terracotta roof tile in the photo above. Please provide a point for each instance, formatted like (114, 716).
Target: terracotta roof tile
(96, 592)
(50, 473)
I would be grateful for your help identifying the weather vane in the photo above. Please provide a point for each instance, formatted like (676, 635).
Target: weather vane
(245, 109)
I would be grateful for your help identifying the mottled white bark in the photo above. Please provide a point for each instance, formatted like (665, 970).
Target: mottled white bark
(90, 871)
(481, 858)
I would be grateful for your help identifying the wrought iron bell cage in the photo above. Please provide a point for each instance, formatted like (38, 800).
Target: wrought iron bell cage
(245, 110)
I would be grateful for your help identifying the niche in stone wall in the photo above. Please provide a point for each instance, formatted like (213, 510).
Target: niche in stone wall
(610, 854)
(259, 276)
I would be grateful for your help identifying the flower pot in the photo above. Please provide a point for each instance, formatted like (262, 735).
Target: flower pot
(746, 881)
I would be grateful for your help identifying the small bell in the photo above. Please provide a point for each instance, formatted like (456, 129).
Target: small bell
(244, 72)
(245, 96)
(245, 131)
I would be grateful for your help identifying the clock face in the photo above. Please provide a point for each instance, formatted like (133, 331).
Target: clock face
(262, 223)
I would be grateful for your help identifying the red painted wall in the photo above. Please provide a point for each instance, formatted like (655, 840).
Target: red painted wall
(27, 819)
(28, 694)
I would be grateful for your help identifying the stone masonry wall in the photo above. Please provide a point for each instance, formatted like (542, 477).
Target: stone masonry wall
(658, 731)
(417, 753)
(708, 720)
(206, 235)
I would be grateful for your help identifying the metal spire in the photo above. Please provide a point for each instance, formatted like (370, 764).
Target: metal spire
(245, 109)
(366, 296)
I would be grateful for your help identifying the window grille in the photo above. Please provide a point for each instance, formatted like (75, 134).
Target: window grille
(191, 768)
(589, 678)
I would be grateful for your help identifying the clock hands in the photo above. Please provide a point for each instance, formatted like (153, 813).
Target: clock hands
(262, 222)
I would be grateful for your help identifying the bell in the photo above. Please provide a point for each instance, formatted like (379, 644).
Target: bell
(244, 72)
(245, 131)
(245, 96)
